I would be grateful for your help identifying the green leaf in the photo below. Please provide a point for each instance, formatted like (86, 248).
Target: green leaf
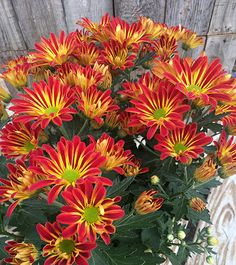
(151, 238)
(195, 217)
(3, 168)
(180, 207)
(3, 253)
(119, 187)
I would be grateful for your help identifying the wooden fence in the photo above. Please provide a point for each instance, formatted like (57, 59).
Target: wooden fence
(22, 22)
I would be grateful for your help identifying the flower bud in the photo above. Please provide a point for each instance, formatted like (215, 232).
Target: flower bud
(4, 95)
(210, 260)
(146, 203)
(212, 241)
(170, 237)
(181, 235)
(209, 230)
(207, 170)
(197, 204)
(155, 180)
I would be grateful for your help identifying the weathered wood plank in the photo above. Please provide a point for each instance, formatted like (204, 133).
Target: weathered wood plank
(10, 33)
(93, 9)
(224, 17)
(38, 18)
(224, 47)
(193, 14)
(222, 205)
(130, 10)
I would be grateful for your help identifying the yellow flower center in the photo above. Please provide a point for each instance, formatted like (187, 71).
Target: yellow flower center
(159, 113)
(67, 246)
(29, 146)
(71, 175)
(195, 89)
(51, 109)
(91, 214)
(179, 148)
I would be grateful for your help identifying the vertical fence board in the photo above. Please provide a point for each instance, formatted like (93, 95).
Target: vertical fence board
(39, 18)
(130, 10)
(93, 9)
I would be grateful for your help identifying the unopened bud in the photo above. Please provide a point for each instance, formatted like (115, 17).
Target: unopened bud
(181, 235)
(210, 260)
(170, 237)
(209, 230)
(212, 241)
(155, 180)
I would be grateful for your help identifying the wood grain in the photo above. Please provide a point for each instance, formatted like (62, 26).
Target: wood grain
(130, 10)
(93, 9)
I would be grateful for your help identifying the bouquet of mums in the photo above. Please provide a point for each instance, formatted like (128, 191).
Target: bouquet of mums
(111, 145)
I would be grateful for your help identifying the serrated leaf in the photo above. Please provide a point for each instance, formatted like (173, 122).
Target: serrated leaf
(119, 187)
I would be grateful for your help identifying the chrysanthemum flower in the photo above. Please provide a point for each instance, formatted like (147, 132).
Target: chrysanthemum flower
(162, 109)
(197, 204)
(95, 103)
(17, 76)
(22, 60)
(226, 154)
(60, 250)
(55, 50)
(205, 83)
(106, 75)
(77, 75)
(18, 139)
(227, 109)
(207, 170)
(86, 53)
(72, 162)
(88, 212)
(21, 253)
(165, 48)
(182, 143)
(16, 187)
(190, 40)
(112, 119)
(146, 203)
(117, 56)
(134, 169)
(45, 103)
(114, 153)
(4, 95)
(152, 29)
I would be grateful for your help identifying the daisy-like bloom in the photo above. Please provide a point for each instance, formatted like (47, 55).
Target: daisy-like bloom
(18, 139)
(55, 50)
(175, 31)
(207, 170)
(115, 155)
(190, 40)
(22, 60)
(44, 103)
(76, 75)
(117, 56)
(226, 154)
(88, 212)
(16, 187)
(112, 119)
(162, 109)
(229, 119)
(60, 250)
(134, 169)
(165, 48)
(146, 203)
(20, 253)
(125, 119)
(95, 103)
(152, 29)
(106, 75)
(182, 143)
(125, 34)
(17, 76)
(86, 53)
(205, 83)
(197, 204)
(72, 162)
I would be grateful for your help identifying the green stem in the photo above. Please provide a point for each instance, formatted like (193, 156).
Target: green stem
(162, 190)
(63, 131)
(45, 197)
(146, 147)
(83, 127)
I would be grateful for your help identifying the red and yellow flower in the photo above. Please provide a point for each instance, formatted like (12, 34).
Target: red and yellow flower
(115, 155)
(162, 109)
(21, 253)
(106, 81)
(22, 60)
(55, 50)
(86, 53)
(200, 81)
(207, 170)
(88, 212)
(147, 203)
(152, 29)
(71, 163)
(16, 187)
(197, 204)
(226, 154)
(18, 139)
(135, 168)
(95, 103)
(190, 40)
(183, 144)
(46, 102)
(60, 250)
(112, 119)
